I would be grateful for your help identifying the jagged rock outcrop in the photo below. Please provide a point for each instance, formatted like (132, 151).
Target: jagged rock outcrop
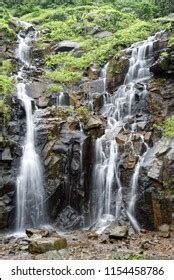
(156, 185)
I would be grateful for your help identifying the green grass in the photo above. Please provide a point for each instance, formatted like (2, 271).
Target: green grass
(63, 76)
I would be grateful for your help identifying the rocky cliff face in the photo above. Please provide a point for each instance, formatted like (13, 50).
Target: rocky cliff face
(66, 137)
(155, 183)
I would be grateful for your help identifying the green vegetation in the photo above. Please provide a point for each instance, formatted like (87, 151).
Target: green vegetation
(55, 88)
(5, 84)
(79, 20)
(169, 127)
(63, 76)
(4, 108)
(142, 8)
(165, 54)
(6, 67)
(171, 40)
(5, 88)
(137, 256)
(5, 30)
(80, 24)
(81, 112)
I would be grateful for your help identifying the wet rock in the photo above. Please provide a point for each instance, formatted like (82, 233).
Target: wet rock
(156, 170)
(121, 139)
(43, 245)
(69, 219)
(43, 102)
(116, 72)
(5, 212)
(151, 210)
(38, 55)
(66, 46)
(118, 232)
(97, 101)
(93, 86)
(160, 66)
(147, 136)
(130, 157)
(38, 91)
(164, 146)
(47, 148)
(93, 71)
(34, 231)
(60, 148)
(73, 123)
(93, 122)
(160, 44)
(6, 155)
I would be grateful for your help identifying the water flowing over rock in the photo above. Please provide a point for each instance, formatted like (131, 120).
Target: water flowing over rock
(125, 104)
(30, 192)
(103, 165)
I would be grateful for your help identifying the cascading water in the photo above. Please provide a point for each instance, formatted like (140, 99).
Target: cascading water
(62, 99)
(107, 198)
(134, 184)
(30, 192)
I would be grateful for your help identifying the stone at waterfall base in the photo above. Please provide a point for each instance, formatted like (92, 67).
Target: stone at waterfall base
(118, 232)
(43, 245)
(34, 231)
(164, 230)
(53, 255)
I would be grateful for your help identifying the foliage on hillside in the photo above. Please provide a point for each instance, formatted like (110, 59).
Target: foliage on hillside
(5, 30)
(81, 24)
(169, 127)
(142, 8)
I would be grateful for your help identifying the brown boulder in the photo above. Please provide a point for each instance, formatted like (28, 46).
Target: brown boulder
(43, 245)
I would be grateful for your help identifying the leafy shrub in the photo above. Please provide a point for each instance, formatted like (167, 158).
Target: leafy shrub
(5, 84)
(169, 127)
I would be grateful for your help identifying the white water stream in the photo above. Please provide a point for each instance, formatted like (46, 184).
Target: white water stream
(119, 108)
(30, 192)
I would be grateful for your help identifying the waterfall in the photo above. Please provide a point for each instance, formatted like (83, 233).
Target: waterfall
(107, 197)
(62, 99)
(30, 192)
